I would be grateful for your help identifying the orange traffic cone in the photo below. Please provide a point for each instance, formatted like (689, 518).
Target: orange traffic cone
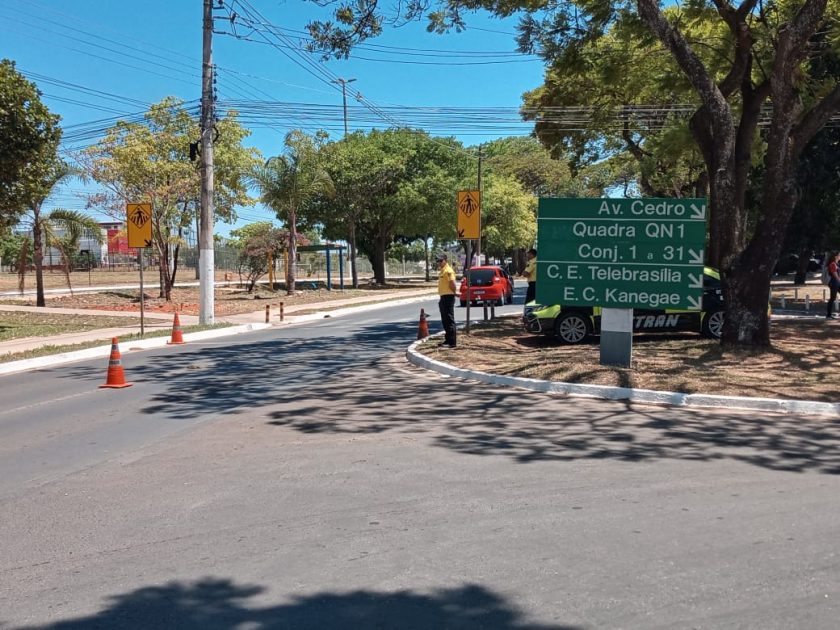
(116, 376)
(177, 335)
(423, 330)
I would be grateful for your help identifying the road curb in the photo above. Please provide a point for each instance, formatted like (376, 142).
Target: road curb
(644, 396)
(52, 360)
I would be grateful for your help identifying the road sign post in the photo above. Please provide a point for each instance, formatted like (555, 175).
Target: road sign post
(469, 229)
(621, 254)
(139, 225)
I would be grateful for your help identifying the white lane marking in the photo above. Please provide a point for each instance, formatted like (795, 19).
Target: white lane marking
(45, 402)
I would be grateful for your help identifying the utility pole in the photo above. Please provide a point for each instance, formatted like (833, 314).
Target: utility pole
(206, 262)
(354, 275)
(344, 83)
(481, 203)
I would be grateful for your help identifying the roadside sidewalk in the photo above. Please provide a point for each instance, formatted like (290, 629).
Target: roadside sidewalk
(253, 320)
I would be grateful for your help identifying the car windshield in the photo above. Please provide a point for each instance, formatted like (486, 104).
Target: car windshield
(481, 276)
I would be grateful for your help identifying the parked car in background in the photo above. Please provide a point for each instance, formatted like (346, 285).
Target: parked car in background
(487, 284)
(574, 324)
(788, 263)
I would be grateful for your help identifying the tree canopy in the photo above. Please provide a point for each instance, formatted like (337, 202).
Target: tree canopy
(149, 162)
(30, 136)
(753, 95)
(397, 182)
(288, 183)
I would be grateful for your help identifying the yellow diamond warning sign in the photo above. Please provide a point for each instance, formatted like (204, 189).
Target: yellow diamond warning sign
(469, 214)
(139, 222)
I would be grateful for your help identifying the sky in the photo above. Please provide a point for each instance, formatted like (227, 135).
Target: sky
(99, 60)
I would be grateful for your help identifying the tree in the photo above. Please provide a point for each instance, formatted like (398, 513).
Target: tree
(258, 243)
(508, 216)
(288, 182)
(351, 163)
(149, 162)
(12, 248)
(759, 74)
(30, 135)
(53, 225)
(389, 184)
(527, 160)
(63, 229)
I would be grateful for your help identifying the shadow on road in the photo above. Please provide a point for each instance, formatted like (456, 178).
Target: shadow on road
(482, 420)
(359, 384)
(217, 604)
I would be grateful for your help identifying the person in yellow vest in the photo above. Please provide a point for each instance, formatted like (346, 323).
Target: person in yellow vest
(531, 275)
(446, 303)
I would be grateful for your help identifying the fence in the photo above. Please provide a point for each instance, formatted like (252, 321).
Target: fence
(311, 265)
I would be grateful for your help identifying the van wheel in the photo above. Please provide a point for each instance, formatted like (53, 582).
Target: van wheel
(713, 324)
(572, 328)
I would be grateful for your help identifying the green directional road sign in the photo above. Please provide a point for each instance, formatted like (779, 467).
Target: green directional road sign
(621, 253)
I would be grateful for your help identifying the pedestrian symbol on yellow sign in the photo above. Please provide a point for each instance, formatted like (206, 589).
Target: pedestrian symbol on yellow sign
(469, 214)
(139, 224)
(138, 217)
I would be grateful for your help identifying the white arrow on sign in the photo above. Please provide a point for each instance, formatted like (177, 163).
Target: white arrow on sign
(694, 304)
(695, 281)
(698, 212)
(695, 257)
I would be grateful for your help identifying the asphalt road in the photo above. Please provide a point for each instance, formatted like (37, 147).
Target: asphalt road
(310, 478)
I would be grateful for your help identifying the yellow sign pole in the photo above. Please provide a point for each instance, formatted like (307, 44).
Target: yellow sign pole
(139, 224)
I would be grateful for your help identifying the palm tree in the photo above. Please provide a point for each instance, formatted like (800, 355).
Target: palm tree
(59, 225)
(65, 229)
(288, 182)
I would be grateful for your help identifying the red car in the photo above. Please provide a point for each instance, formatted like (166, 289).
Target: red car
(487, 284)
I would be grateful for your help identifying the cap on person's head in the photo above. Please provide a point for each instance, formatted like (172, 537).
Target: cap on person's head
(440, 257)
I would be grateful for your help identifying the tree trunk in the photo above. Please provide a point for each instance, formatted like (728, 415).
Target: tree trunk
(379, 260)
(38, 257)
(290, 267)
(801, 274)
(161, 275)
(354, 273)
(426, 258)
(174, 271)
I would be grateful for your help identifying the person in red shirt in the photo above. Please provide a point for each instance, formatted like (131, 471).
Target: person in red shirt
(833, 284)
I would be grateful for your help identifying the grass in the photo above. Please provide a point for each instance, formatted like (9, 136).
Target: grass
(800, 365)
(18, 325)
(48, 350)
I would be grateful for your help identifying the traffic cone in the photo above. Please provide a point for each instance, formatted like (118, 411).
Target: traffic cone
(116, 376)
(423, 330)
(177, 335)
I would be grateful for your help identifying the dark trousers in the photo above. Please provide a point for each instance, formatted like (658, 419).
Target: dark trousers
(531, 293)
(832, 287)
(446, 304)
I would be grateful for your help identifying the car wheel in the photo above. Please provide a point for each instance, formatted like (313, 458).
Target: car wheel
(572, 328)
(463, 303)
(510, 298)
(713, 324)
(501, 300)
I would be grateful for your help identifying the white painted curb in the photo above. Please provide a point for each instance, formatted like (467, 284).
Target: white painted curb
(644, 396)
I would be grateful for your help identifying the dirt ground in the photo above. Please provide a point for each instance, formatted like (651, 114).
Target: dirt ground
(229, 300)
(55, 279)
(802, 364)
